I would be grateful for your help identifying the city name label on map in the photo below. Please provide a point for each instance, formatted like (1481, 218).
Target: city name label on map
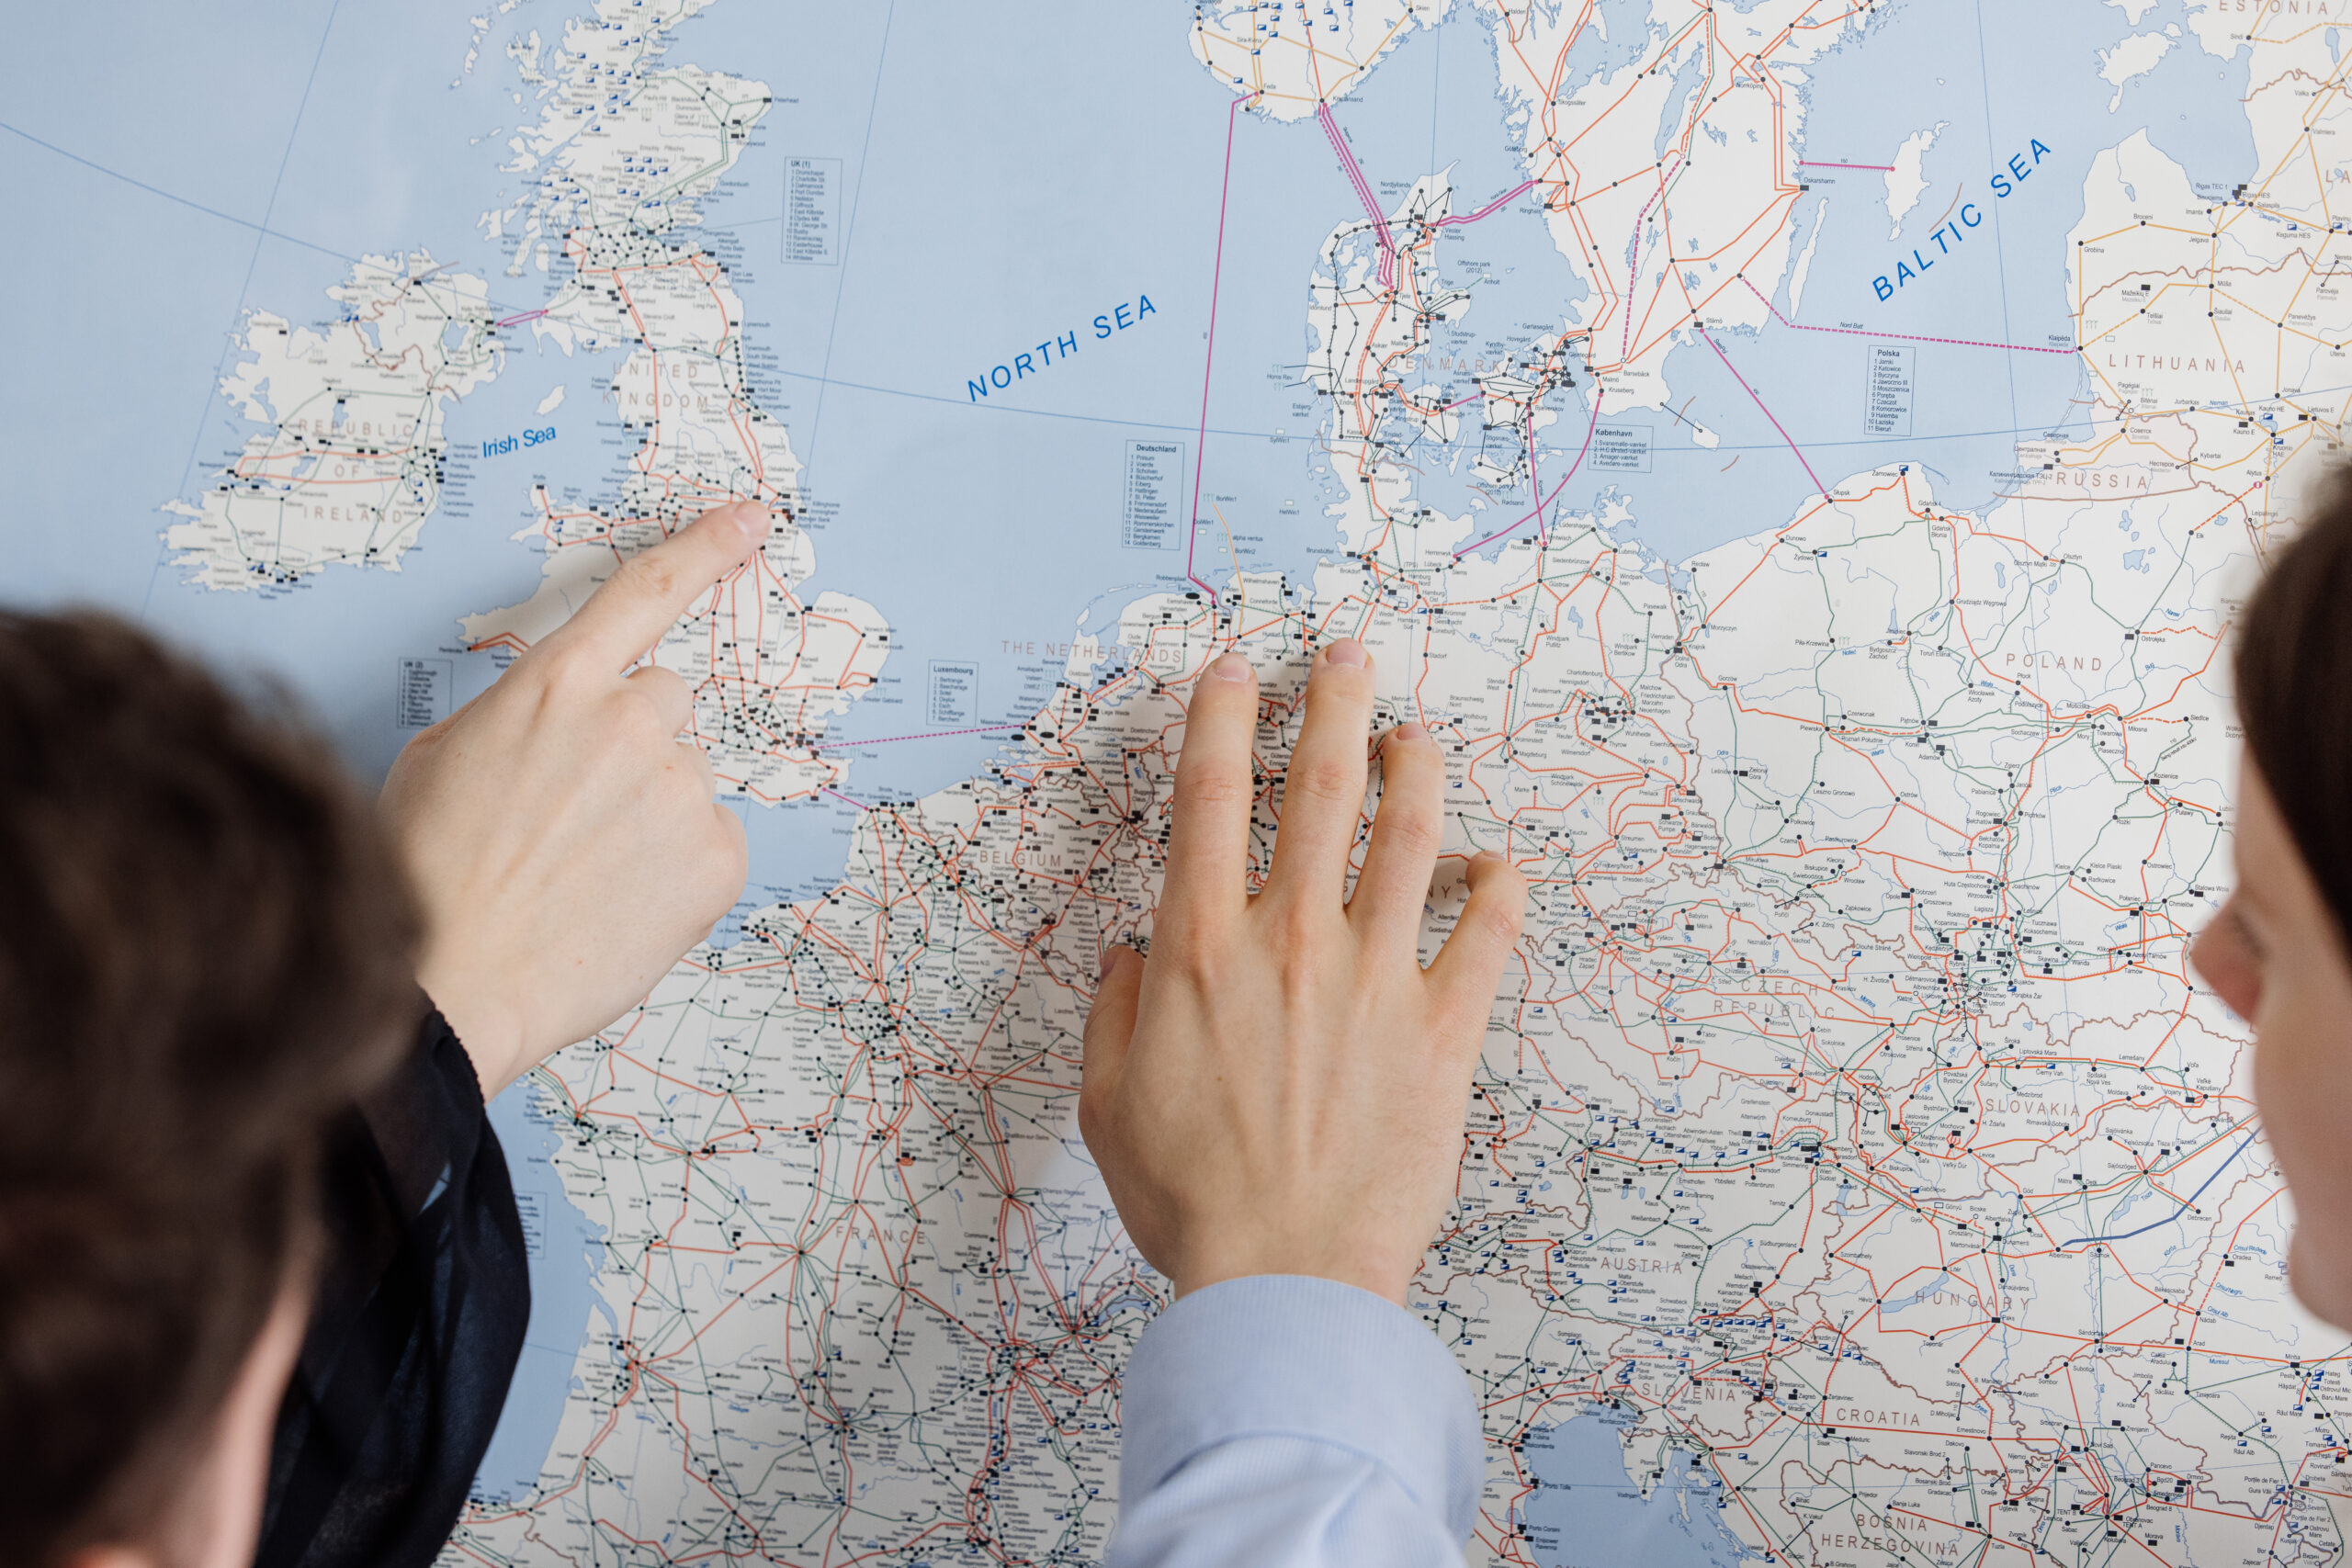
(2005, 180)
(1034, 362)
(506, 444)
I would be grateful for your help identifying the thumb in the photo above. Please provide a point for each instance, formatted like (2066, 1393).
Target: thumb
(1111, 1023)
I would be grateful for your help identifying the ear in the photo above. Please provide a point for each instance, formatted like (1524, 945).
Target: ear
(220, 1521)
(214, 1521)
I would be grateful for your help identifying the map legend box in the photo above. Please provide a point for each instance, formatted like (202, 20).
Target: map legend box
(532, 1210)
(421, 696)
(955, 697)
(1886, 389)
(812, 210)
(1621, 448)
(1154, 489)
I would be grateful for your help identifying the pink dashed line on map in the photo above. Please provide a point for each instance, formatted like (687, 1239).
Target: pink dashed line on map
(525, 316)
(924, 734)
(1898, 337)
(1634, 266)
(1874, 168)
(1363, 193)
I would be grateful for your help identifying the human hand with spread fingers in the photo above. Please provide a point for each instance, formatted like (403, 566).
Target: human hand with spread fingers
(1276, 1098)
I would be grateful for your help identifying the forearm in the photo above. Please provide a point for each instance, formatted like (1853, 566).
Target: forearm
(1282, 1420)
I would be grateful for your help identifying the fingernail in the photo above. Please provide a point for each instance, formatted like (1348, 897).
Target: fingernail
(1232, 667)
(1347, 651)
(1411, 734)
(1111, 959)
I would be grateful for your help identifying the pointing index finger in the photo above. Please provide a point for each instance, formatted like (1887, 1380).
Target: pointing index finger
(627, 616)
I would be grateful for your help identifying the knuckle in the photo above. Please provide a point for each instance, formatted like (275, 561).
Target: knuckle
(720, 868)
(658, 706)
(1092, 1113)
(651, 574)
(1325, 779)
(1194, 958)
(1208, 785)
(1412, 763)
(553, 666)
(1303, 932)
(1498, 923)
(638, 722)
(688, 781)
(1414, 832)
(736, 862)
(1291, 915)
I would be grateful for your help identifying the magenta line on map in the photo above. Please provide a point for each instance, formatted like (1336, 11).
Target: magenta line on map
(1634, 273)
(1508, 196)
(1216, 277)
(1874, 168)
(1735, 375)
(1363, 193)
(1899, 337)
(1372, 204)
(1537, 510)
(525, 316)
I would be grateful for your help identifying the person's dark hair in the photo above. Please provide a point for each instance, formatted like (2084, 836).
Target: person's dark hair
(206, 949)
(2294, 691)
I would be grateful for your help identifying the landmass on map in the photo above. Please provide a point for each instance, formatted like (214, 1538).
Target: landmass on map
(348, 464)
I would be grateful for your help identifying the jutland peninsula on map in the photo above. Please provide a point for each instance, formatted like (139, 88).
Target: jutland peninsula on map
(1800, 458)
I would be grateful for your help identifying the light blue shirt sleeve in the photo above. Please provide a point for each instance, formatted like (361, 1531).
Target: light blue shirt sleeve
(1285, 1422)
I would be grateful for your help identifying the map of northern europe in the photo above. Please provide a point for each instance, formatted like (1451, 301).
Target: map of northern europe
(1802, 458)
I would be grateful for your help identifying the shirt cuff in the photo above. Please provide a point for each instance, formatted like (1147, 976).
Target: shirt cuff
(1284, 1355)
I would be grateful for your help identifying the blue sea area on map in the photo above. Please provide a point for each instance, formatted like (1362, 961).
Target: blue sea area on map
(387, 157)
(1521, 289)
(1996, 89)
(956, 258)
(1585, 1512)
(1789, 404)
(565, 1247)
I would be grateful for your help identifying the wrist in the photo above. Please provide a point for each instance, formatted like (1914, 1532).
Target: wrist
(491, 1034)
(1386, 1279)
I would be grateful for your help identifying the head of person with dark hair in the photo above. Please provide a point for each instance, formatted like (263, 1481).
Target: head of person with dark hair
(2280, 954)
(206, 951)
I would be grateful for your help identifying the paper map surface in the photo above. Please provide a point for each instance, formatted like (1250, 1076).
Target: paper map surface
(1801, 458)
